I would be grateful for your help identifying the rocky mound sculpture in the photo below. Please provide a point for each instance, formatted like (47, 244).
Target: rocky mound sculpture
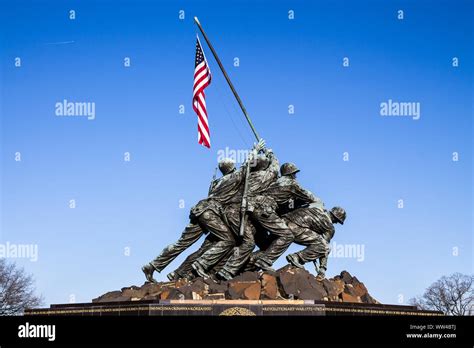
(286, 283)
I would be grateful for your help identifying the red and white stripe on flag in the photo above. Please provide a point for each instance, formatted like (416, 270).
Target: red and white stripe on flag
(202, 79)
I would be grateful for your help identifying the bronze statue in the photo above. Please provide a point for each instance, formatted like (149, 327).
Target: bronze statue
(313, 227)
(206, 217)
(265, 212)
(249, 207)
(279, 212)
(201, 218)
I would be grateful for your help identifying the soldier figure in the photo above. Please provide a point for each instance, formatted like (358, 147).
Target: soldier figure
(313, 227)
(264, 211)
(230, 212)
(263, 175)
(191, 233)
(204, 217)
(279, 212)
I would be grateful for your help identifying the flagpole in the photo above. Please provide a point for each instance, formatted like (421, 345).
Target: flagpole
(228, 79)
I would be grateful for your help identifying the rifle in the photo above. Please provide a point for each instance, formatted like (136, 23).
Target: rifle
(316, 267)
(243, 206)
(211, 186)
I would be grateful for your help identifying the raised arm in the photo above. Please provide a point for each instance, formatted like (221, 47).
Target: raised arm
(257, 147)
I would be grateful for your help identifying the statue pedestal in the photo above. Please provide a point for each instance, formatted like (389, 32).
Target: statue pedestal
(228, 308)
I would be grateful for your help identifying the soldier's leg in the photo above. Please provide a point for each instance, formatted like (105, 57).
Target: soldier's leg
(190, 235)
(302, 236)
(262, 240)
(225, 242)
(318, 248)
(283, 238)
(232, 213)
(220, 265)
(250, 265)
(240, 254)
(185, 269)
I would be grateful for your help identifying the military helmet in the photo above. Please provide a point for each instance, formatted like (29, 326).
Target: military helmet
(339, 214)
(226, 166)
(288, 168)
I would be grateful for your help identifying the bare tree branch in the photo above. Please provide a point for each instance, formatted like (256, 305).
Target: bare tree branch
(452, 295)
(16, 290)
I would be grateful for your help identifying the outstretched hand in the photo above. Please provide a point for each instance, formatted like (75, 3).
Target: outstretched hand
(260, 145)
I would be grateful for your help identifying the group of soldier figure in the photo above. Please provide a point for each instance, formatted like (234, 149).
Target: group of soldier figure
(258, 205)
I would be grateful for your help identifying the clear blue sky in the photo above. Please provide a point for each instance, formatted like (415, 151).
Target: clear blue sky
(136, 204)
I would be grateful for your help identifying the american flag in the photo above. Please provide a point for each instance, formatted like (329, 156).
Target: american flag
(202, 79)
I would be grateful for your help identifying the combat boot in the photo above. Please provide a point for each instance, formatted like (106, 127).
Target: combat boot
(224, 275)
(294, 260)
(200, 270)
(172, 276)
(264, 265)
(148, 270)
